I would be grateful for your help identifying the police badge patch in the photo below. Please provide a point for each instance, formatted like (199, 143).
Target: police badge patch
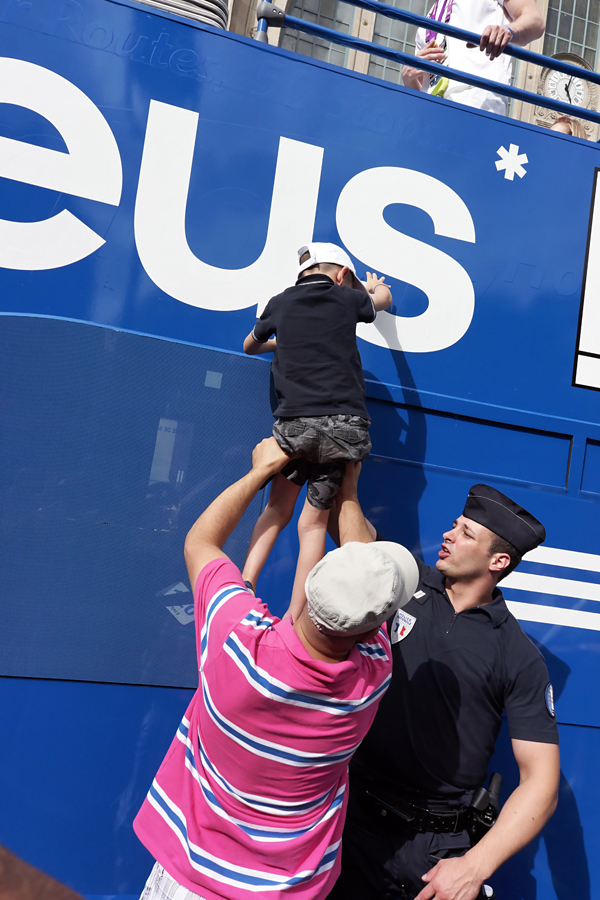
(549, 697)
(401, 626)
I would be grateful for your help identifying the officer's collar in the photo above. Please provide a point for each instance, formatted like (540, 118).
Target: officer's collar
(496, 609)
(317, 278)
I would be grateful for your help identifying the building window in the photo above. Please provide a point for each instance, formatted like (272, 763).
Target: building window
(329, 13)
(572, 27)
(396, 36)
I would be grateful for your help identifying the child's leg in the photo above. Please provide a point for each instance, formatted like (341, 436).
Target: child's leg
(272, 520)
(312, 531)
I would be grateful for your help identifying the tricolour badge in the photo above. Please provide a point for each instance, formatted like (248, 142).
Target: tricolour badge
(401, 626)
(549, 696)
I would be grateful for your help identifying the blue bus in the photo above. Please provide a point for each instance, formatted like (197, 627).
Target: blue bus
(157, 177)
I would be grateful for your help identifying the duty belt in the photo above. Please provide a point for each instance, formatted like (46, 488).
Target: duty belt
(417, 818)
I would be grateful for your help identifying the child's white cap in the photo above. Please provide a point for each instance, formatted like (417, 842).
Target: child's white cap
(328, 253)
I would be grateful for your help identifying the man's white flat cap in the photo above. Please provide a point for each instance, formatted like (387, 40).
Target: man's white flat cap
(358, 586)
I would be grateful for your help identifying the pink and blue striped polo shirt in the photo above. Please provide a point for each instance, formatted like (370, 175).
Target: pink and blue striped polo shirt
(251, 797)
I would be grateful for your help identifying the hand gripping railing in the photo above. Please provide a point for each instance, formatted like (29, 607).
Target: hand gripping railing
(268, 14)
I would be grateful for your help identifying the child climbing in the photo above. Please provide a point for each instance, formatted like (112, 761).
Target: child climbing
(322, 416)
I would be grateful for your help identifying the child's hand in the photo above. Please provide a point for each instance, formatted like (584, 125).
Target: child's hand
(382, 298)
(373, 281)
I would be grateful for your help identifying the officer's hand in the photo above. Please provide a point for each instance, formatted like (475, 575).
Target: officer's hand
(452, 879)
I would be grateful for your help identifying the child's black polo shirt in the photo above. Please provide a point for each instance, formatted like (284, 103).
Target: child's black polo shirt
(316, 367)
(453, 675)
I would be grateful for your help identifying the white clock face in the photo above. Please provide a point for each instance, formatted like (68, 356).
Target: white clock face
(567, 88)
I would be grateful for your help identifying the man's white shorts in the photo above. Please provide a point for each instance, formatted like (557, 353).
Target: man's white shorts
(160, 886)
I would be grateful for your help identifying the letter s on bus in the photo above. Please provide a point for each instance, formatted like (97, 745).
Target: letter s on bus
(367, 236)
(91, 168)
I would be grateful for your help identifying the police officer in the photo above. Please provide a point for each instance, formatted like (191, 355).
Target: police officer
(460, 659)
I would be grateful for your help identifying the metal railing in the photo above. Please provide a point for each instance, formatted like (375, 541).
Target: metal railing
(270, 15)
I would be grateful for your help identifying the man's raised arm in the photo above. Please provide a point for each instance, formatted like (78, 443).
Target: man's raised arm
(351, 522)
(207, 536)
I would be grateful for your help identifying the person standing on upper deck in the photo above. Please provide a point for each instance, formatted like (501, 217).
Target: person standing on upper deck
(499, 22)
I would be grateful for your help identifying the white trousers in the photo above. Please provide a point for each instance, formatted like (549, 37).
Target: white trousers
(160, 886)
(477, 97)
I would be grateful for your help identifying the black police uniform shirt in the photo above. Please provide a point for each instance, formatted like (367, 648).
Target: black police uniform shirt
(316, 367)
(453, 674)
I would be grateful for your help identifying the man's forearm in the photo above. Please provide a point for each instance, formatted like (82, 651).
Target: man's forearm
(527, 23)
(527, 28)
(218, 521)
(352, 523)
(207, 536)
(522, 817)
(221, 518)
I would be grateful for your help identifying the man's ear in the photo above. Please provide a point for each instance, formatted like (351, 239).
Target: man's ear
(499, 562)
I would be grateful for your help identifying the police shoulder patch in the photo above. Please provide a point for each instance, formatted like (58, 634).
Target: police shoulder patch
(549, 697)
(401, 626)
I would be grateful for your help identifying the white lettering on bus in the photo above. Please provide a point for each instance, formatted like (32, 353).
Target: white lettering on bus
(91, 168)
(367, 236)
(160, 218)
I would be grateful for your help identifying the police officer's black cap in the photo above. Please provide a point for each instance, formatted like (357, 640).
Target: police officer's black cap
(504, 517)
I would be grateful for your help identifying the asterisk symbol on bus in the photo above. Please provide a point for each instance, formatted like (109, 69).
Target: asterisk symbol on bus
(511, 161)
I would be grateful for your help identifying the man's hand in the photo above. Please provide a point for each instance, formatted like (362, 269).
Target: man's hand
(207, 536)
(268, 457)
(526, 25)
(412, 77)
(526, 21)
(494, 39)
(452, 879)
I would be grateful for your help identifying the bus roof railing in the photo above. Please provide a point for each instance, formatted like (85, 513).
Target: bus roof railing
(269, 14)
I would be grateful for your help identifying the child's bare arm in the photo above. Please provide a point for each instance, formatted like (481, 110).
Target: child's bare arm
(252, 347)
(379, 291)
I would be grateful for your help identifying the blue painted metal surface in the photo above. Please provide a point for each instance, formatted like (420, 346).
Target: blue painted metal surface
(198, 163)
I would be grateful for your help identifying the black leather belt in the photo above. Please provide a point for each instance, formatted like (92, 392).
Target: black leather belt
(417, 818)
